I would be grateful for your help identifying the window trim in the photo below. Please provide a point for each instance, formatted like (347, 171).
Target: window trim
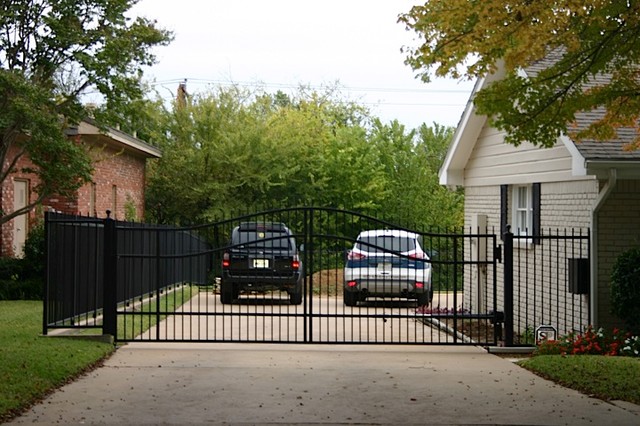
(507, 209)
(521, 202)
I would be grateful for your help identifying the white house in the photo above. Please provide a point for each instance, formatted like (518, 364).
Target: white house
(588, 187)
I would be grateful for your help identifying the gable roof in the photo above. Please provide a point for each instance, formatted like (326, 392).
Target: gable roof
(589, 157)
(115, 137)
(465, 136)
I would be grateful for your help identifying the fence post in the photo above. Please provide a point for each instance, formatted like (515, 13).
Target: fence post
(455, 288)
(109, 288)
(308, 269)
(47, 267)
(508, 287)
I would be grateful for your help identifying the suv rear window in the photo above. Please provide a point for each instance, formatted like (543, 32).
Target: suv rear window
(384, 243)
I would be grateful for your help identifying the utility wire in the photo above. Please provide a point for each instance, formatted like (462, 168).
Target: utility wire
(200, 81)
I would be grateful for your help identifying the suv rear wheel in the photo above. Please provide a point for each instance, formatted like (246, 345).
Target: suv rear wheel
(423, 299)
(350, 298)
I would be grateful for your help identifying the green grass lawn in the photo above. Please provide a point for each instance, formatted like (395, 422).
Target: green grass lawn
(32, 365)
(606, 377)
(130, 326)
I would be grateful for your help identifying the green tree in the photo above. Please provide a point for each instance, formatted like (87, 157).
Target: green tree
(411, 161)
(212, 159)
(591, 55)
(231, 150)
(51, 53)
(327, 160)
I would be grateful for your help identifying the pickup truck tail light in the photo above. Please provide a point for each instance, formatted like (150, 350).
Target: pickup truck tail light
(226, 260)
(295, 263)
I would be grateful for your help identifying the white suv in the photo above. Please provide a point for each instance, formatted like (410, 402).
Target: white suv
(387, 263)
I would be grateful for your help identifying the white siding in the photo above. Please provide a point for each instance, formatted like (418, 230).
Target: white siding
(493, 162)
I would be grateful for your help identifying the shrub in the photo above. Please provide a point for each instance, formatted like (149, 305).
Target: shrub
(10, 274)
(625, 288)
(23, 279)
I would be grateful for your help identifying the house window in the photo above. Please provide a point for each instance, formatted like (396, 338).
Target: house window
(520, 208)
(114, 201)
(92, 201)
(522, 222)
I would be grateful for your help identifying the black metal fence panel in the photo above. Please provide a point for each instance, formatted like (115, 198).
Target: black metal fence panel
(324, 237)
(551, 283)
(169, 283)
(150, 259)
(73, 294)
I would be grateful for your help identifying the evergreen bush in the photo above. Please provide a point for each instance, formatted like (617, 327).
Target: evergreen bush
(625, 288)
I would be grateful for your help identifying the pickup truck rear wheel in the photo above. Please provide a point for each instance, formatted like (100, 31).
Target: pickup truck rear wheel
(226, 293)
(295, 297)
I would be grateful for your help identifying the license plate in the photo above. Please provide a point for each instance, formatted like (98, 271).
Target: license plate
(384, 268)
(260, 263)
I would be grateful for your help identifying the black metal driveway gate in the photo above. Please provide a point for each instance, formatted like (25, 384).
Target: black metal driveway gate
(151, 283)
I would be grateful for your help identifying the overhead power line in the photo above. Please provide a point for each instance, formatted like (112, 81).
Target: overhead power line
(200, 81)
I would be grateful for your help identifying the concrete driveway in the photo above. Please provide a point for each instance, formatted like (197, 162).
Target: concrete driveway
(241, 384)
(266, 319)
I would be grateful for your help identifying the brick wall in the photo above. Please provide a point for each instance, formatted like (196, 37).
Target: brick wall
(481, 200)
(116, 174)
(540, 270)
(118, 181)
(7, 203)
(568, 204)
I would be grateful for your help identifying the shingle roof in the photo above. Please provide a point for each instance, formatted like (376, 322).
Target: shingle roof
(612, 150)
(592, 149)
(125, 140)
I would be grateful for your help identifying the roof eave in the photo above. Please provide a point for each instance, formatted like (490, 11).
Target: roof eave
(471, 124)
(626, 169)
(90, 127)
(578, 163)
(451, 173)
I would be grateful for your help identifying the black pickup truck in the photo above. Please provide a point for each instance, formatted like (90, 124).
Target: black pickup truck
(262, 256)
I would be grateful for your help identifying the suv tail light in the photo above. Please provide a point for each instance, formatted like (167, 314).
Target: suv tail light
(418, 256)
(226, 260)
(355, 256)
(419, 284)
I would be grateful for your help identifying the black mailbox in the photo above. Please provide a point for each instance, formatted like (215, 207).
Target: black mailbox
(579, 276)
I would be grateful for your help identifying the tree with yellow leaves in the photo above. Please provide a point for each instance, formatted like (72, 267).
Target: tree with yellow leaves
(582, 56)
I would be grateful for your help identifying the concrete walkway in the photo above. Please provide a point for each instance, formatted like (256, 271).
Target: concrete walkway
(242, 384)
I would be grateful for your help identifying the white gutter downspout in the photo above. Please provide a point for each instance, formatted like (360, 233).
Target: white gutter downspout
(595, 208)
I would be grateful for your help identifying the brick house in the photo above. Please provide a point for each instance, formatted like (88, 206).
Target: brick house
(118, 184)
(588, 186)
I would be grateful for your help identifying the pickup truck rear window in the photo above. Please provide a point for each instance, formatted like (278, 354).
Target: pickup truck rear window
(263, 239)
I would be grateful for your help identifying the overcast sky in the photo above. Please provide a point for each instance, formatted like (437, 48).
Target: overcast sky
(282, 44)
